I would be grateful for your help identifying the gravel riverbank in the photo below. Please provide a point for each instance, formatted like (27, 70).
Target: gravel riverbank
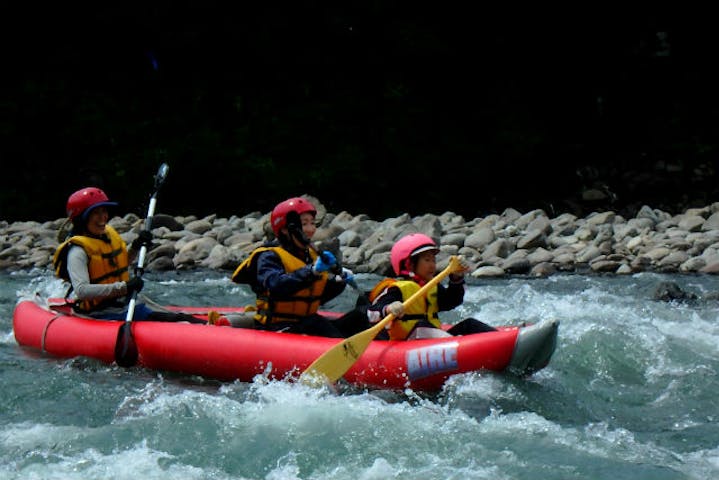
(510, 242)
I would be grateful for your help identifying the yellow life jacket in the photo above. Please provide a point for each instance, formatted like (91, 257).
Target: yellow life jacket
(425, 308)
(108, 261)
(292, 308)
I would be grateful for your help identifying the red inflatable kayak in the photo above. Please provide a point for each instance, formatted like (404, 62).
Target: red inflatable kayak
(227, 353)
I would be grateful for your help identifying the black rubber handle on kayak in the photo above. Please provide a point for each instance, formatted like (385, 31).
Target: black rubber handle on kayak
(126, 353)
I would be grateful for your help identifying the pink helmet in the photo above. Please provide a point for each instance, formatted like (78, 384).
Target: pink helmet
(278, 218)
(85, 199)
(408, 246)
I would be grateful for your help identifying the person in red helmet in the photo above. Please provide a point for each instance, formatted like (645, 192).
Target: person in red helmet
(95, 260)
(291, 280)
(413, 259)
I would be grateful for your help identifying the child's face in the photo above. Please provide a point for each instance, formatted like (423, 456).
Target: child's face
(307, 221)
(308, 224)
(426, 265)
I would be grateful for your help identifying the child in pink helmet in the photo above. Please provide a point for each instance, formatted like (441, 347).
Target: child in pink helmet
(413, 259)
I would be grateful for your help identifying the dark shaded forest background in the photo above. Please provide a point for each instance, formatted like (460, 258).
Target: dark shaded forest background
(373, 107)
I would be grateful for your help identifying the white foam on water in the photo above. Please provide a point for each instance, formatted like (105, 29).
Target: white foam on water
(27, 436)
(701, 464)
(41, 287)
(207, 281)
(132, 463)
(322, 428)
(7, 338)
(589, 311)
(699, 331)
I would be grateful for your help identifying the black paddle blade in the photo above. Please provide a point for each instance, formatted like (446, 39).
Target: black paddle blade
(161, 175)
(125, 347)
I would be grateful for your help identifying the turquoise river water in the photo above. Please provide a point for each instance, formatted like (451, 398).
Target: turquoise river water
(631, 392)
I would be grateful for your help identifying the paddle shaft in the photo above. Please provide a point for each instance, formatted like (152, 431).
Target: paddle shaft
(140, 269)
(126, 353)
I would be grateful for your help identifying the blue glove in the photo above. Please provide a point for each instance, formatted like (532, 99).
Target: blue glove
(348, 276)
(324, 262)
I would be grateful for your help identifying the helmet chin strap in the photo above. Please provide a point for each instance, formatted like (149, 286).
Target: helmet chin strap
(300, 236)
(298, 241)
(406, 268)
(294, 228)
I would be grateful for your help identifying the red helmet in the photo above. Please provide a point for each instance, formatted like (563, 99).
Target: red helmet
(278, 218)
(84, 200)
(408, 246)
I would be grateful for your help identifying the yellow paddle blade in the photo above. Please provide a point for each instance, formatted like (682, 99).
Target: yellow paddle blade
(335, 362)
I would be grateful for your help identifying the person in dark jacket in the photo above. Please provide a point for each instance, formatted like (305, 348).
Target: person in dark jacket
(292, 280)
